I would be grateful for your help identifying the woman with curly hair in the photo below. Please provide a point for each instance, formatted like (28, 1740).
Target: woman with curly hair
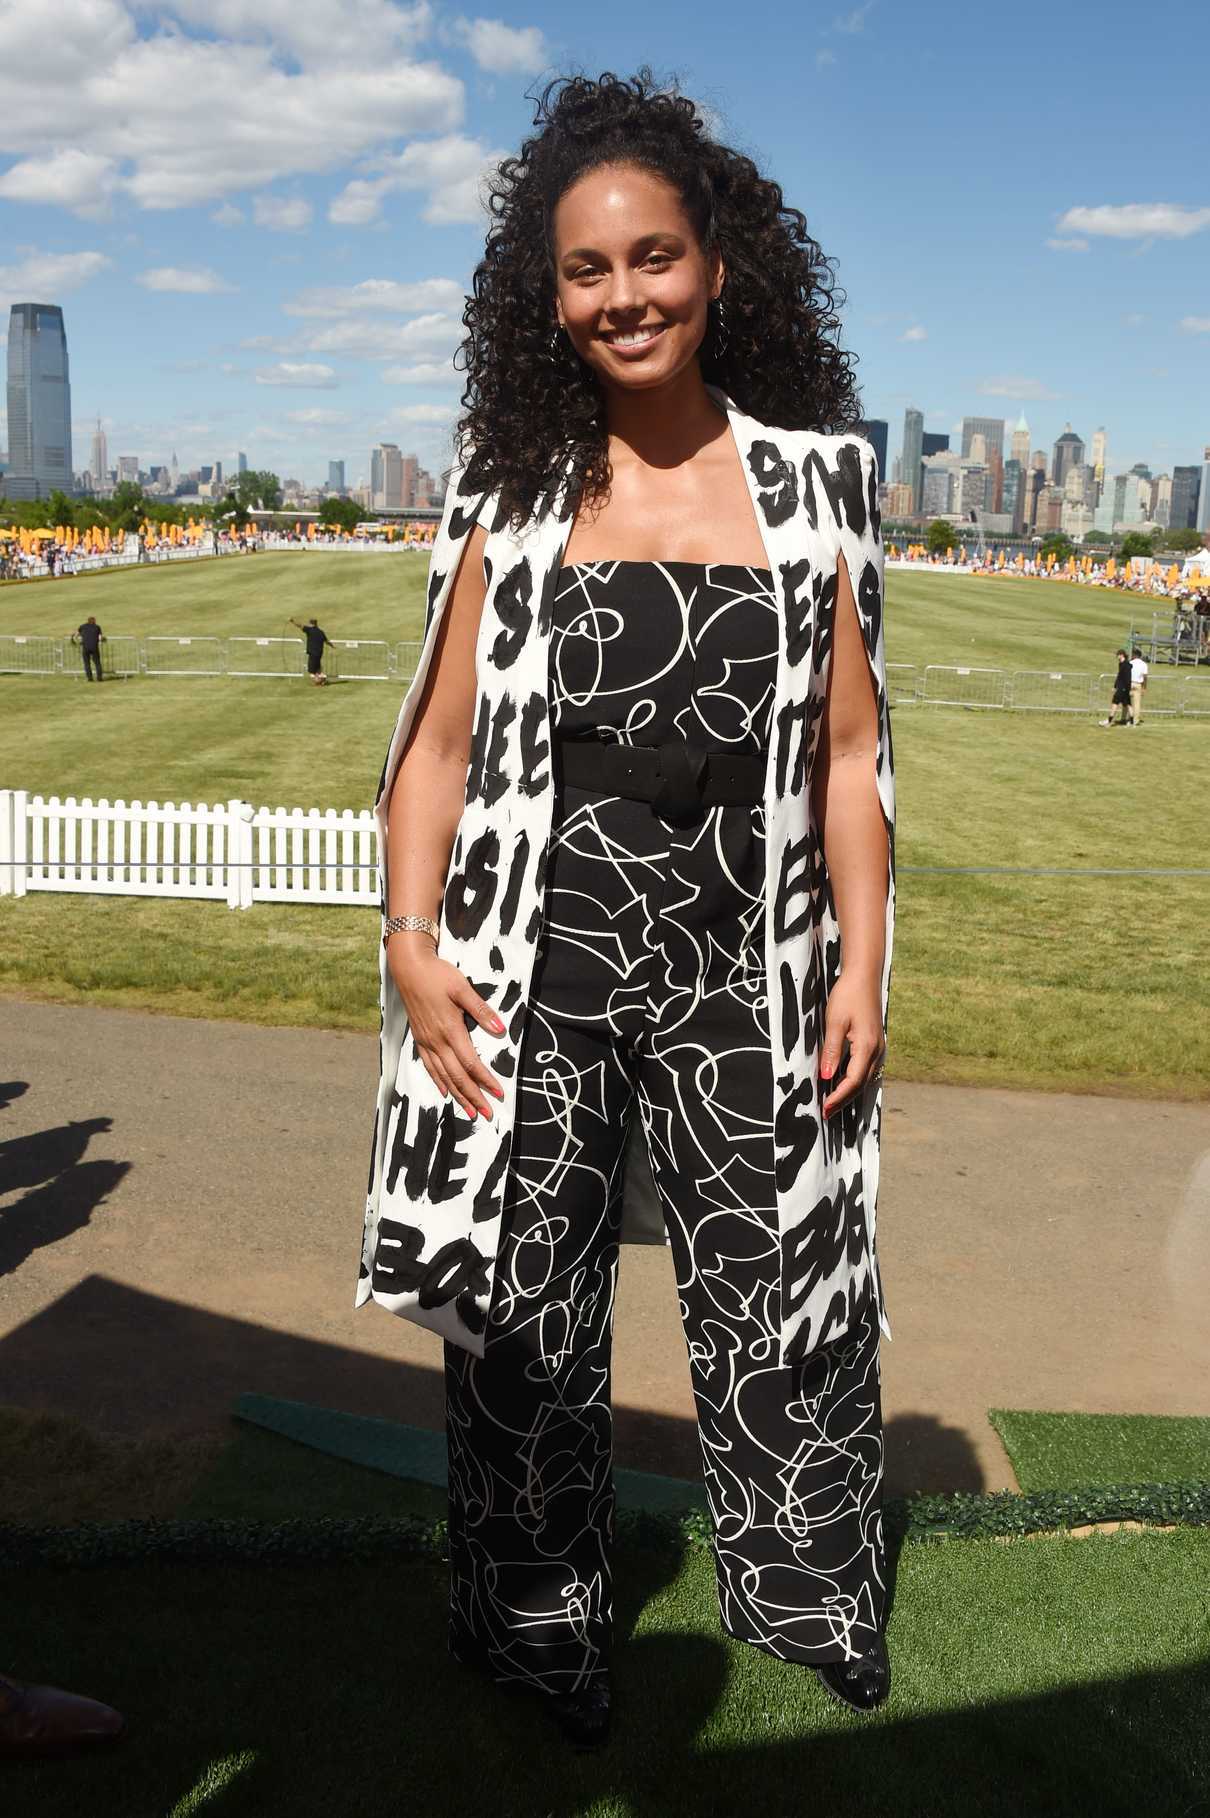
(636, 836)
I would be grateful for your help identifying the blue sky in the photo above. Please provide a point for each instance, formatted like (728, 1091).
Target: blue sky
(260, 219)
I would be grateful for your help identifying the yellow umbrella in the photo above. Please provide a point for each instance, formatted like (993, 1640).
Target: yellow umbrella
(7, 536)
(41, 535)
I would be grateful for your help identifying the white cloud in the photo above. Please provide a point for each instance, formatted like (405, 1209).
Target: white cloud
(359, 203)
(310, 374)
(1135, 319)
(915, 333)
(824, 57)
(452, 169)
(854, 21)
(199, 282)
(281, 214)
(1196, 325)
(1137, 220)
(69, 178)
(385, 294)
(228, 215)
(39, 276)
(431, 335)
(424, 372)
(423, 413)
(368, 29)
(503, 50)
(1013, 385)
(270, 92)
(316, 417)
(1067, 243)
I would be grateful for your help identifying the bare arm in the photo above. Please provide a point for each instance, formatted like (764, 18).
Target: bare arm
(426, 805)
(849, 816)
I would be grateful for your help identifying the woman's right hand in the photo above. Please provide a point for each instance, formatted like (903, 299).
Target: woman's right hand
(436, 995)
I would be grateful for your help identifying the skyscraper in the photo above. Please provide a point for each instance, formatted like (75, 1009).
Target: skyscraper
(411, 468)
(913, 453)
(98, 460)
(241, 463)
(336, 476)
(1186, 491)
(1203, 507)
(1069, 452)
(876, 431)
(932, 444)
(1020, 443)
(1014, 492)
(386, 477)
(992, 431)
(39, 403)
(1098, 456)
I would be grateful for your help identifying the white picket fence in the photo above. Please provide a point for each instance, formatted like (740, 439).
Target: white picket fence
(227, 851)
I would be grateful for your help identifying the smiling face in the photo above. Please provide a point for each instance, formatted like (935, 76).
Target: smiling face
(632, 279)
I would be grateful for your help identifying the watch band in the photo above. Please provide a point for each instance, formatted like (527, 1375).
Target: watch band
(398, 924)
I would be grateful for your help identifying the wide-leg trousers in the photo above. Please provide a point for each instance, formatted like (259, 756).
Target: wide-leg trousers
(649, 1000)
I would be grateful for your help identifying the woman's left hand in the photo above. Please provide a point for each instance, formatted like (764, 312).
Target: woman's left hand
(855, 1015)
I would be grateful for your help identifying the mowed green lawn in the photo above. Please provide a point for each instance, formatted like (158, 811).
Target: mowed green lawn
(1094, 983)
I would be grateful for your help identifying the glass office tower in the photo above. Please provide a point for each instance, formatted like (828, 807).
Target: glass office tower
(39, 403)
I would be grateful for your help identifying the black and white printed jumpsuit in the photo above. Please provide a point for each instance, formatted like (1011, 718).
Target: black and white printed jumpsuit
(649, 998)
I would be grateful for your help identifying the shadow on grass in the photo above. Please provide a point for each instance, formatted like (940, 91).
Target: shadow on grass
(309, 1692)
(120, 1360)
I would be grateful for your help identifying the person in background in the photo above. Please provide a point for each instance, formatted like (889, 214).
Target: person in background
(88, 636)
(1121, 692)
(1138, 681)
(316, 639)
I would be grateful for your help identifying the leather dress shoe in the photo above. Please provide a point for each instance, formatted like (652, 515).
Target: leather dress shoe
(41, 1720)
(862, 1682)
(582, 1716)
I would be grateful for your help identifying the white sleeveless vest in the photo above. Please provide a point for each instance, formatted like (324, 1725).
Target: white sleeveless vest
(438, 1177)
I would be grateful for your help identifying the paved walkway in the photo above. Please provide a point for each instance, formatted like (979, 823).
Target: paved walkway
(180, 1220)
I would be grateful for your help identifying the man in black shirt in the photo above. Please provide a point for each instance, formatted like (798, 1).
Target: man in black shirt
(316, 639)
(88, 637)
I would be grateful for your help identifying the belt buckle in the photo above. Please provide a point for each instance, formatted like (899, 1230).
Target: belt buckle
(679, 798)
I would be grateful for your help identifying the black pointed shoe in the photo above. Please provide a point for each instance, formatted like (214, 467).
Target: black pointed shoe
(862, 1682)
(582, 1716)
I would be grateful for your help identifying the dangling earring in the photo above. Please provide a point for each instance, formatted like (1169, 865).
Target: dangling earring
(722, 333)
(555, 347)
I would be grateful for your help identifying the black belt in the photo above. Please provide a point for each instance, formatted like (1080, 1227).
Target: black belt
(678, 778)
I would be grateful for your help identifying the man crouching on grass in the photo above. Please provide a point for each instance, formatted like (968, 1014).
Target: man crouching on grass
(316, 639)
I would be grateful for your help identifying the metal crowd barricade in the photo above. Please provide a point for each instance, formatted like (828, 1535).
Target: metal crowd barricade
(119, 656)
(903, 684)
(406, 658)
(952, 685)
(184, 656)
(30, 655)
(1195, 696)
(361, 660)
(1163, 693)
(266, 656)
(1053, 691)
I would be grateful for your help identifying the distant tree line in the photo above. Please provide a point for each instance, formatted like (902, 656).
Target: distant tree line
(942, 535)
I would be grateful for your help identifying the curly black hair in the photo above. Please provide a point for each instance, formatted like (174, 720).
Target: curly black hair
(531, 408)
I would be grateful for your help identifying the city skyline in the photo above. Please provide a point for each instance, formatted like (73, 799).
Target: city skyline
(235, 278)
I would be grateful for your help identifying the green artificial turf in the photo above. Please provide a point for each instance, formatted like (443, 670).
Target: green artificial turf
(1069, 1451)
(1042, 1677)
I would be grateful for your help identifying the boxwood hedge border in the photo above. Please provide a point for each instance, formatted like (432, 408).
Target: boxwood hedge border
(355, 1539)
